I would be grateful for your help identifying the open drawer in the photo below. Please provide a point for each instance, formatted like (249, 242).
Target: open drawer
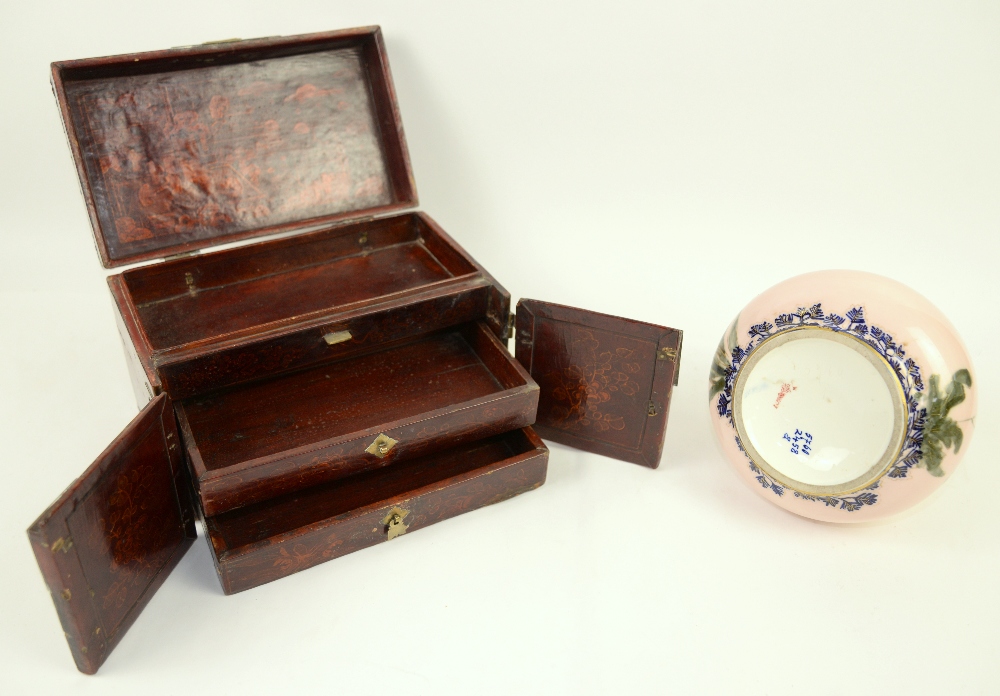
(269, 540)
(263, 439)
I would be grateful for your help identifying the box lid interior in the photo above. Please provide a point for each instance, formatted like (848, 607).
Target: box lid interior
(187, 148)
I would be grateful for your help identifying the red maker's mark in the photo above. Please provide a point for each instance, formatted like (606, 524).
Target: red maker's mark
(786, 389)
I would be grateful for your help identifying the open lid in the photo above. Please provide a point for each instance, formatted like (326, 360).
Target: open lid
(605, 381)
(108, 543)
(187, 148)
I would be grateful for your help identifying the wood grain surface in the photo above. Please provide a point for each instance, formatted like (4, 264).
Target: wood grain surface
(256, 441)
(108, 543)
(267, 541)
(605, 381)
(185, 148)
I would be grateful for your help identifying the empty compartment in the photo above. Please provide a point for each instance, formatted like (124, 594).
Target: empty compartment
(203, 323)
(243, 290)
(267, 541)
(263, 439)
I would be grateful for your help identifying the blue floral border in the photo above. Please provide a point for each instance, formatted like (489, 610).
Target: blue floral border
(854, 324)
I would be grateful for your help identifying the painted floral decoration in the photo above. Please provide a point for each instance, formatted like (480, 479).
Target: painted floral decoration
(584, 388)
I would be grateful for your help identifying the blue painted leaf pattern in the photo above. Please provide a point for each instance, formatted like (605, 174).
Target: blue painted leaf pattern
(930, 433)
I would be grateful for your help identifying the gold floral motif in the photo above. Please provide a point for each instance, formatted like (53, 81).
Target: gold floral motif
(582, 390)
(128, 529)
(301, 556)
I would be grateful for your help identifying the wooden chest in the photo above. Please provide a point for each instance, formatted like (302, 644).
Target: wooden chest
(338, 384)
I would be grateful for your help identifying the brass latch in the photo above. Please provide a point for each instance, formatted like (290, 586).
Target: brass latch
(381, 446)
(393, 523)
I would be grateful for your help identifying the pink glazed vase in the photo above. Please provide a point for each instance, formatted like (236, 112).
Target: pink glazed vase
(842, 396)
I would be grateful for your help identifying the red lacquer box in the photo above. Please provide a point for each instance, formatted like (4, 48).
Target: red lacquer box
(337, 384)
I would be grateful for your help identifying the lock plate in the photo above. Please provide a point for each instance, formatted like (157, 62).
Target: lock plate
(393, 523)
(381, 446)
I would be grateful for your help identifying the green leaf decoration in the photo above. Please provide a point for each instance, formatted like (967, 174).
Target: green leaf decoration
(722, 361)
(941, 433)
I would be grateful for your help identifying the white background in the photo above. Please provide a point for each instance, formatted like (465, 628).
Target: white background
(665, 162)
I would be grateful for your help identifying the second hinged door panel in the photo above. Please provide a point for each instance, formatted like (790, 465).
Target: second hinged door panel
(605, 381)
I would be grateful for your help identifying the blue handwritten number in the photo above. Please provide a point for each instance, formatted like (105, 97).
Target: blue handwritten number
(801, 441)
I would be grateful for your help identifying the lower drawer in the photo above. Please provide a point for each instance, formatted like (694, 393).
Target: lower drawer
(259, 543)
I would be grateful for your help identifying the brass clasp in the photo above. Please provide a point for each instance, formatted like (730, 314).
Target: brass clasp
(393, 523)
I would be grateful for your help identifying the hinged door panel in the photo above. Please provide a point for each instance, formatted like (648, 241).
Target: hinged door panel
(605, 381)
(110, 540)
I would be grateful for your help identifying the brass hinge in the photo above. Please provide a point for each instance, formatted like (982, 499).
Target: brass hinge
(508, 329)
(63, 544)
(667, 353)
(673, 355)
(225, 41)
(182, 255)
